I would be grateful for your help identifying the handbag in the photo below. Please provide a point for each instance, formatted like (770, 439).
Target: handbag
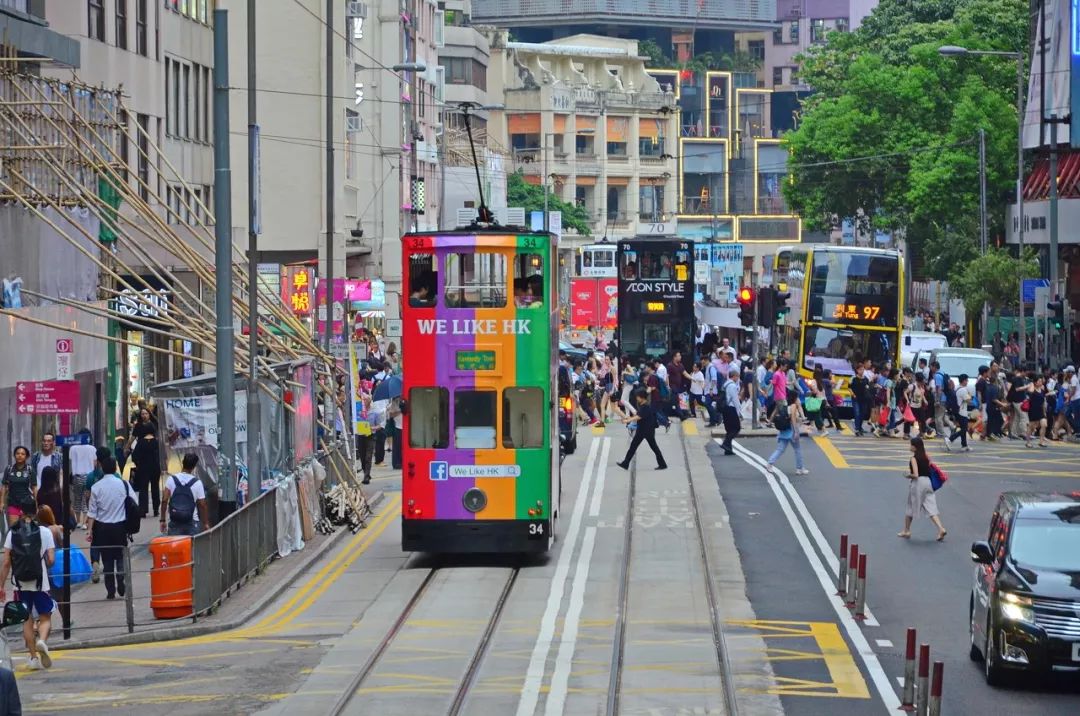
(883, 416)
(938, 477)
(15, 613)
(813, 404)
(909, 417)
(80, 568)
(1026, 405)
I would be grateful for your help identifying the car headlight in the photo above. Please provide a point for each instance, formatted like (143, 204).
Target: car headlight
(1017, 608)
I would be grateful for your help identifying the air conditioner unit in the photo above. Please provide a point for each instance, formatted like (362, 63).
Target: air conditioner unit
(356, 9)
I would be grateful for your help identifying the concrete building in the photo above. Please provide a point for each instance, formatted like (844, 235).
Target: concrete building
(583, 116)
(25, 32)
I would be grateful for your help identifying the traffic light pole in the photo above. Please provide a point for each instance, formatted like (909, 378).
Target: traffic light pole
(754, 387)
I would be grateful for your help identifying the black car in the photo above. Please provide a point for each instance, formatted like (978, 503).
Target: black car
(1025, 599)
(567, 411)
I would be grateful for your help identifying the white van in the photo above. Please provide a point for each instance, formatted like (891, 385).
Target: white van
(912, 343)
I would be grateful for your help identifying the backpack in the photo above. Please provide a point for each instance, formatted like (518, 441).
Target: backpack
(938, 477)
(782, 419)
(182, 502)
(950, 394)
(132, 513)
(26, 553)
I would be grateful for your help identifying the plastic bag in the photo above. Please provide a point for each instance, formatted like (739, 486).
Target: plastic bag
(80, 570)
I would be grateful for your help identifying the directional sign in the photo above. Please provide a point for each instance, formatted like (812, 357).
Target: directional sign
(47, 397)
(77, 439)
(1028, 288)
(64, 349)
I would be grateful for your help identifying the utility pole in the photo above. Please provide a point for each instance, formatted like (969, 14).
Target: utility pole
(329, 273)
(254, 458)
(1054, 290)
(223, 270)
(1020, 191)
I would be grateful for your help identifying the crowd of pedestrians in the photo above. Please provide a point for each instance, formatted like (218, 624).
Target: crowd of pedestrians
(379, 407)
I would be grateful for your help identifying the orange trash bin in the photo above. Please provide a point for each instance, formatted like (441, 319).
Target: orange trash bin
(171, 586)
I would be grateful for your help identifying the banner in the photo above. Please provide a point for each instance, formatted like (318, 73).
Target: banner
(583, 301)
(609, 302)
(360, 419)
(192, 422)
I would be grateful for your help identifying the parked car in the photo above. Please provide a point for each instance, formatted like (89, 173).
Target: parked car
(574, 353)
(568, 424)
(955, 361)
(1025, 598)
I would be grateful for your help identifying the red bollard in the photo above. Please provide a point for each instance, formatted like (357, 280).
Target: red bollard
(860, 597)
(935, 688)
(908, 703)
(841, 579)
(922, 702)
(853, 563)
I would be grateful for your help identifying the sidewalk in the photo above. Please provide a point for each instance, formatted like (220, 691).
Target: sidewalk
(100, 622)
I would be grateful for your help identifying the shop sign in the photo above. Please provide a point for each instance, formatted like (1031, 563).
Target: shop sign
(148, 303)
(296, 289)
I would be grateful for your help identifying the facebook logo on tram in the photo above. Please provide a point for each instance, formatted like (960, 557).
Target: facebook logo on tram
(438, 470)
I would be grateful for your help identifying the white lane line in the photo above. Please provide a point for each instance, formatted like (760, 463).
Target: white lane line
(862, 647)
(884, 643)
(831, 559)
(534, 676)
(598, 493)
(560, 677)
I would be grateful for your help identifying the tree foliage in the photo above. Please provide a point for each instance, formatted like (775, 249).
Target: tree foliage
(889, 135)
(655, 57)
(992, 278)
(531, 196)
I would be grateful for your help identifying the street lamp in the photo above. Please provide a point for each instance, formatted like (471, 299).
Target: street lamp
(955, 51)
(410, 67)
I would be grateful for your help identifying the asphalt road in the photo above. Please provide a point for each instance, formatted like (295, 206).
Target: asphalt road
(856, 486)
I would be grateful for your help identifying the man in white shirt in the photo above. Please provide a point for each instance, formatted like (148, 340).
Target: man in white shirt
(105, 524)
(82, 464)
(188, 497)
(46, 457)
(1072, 396)
(34, 596)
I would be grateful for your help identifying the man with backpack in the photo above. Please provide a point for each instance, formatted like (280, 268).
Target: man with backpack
(29, 551)
(184, 494)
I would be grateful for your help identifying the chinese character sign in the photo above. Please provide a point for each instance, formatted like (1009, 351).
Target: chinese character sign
(296, 289)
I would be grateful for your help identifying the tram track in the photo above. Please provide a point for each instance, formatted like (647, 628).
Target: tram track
(377, 658)
(723, 662)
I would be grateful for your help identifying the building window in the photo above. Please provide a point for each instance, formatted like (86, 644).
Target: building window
(140, 27)
(170, 104)
(208, 199)
(778, 36)
(793, 32)
(143, 160)
(756, 49)
(817, 31)
(122, 148)
(841, 24)
(174, 111)
(96, 20)
(465, 71)
(121, 24)
(777, 76)
(616, 149)
(185, 106)
(206, 104)
(196, 103)
(352, 126)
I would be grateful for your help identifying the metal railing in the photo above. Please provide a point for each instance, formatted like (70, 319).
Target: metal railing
(232, 551)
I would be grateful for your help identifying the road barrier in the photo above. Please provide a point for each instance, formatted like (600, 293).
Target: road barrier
(935, 688)
(860, 587)
(841, 579)
(908, 700)
(922, 702)
(852, 584)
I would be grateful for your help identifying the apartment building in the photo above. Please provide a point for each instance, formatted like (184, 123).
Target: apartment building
(583, 116)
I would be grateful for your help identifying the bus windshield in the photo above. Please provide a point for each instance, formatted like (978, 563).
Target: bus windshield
(855, 274)
(837, 348)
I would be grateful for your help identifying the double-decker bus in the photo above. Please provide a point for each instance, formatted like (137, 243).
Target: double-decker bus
(847, 304)
(656, 298)
(479, 349)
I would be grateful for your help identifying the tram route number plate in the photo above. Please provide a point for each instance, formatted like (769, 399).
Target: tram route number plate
(538, 530)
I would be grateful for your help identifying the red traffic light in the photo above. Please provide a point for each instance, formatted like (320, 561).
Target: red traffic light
(746, 295)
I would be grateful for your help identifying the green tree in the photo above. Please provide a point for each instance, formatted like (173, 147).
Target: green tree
(992, 278)
(531, 196)
(655, 56)
(889, 134)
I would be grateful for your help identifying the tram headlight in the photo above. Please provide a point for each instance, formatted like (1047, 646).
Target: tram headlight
(474, 499)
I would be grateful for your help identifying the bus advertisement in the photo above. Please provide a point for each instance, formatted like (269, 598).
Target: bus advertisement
(847, 305)
(479, 348)
(656, 298)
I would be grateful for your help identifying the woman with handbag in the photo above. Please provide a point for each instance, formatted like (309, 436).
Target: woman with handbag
(787, 418)
(921, 499)
(1036, 412)
(813, 403)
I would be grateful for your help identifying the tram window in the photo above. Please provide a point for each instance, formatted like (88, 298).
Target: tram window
(475, 280)
(474, 419)
(523, 418)
(629, 268)
(529, 281)
(429, 418)
(423, 280)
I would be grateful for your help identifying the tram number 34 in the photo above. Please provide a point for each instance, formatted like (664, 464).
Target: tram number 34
(537, 530)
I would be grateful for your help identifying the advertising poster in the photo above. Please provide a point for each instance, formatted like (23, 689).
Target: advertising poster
(192, 422)
(609, 302)
(583, 302)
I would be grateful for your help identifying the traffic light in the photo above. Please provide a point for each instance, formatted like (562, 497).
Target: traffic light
(746, 306)
(780, 307)
(1057, 313)
(766, 313)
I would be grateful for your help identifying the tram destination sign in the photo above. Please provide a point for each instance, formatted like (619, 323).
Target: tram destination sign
(475, 360)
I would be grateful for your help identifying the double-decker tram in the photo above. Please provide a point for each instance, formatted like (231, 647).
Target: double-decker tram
(847, 306)
(656, 298)
(598, 260)
(479, 349)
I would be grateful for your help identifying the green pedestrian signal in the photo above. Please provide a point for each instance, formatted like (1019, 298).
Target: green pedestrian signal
(780, 307)
(1057, 314)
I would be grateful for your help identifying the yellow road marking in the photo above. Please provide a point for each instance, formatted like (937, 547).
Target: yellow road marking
(597, 429)
(831, 452)
(689, 427)
(846, 679)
